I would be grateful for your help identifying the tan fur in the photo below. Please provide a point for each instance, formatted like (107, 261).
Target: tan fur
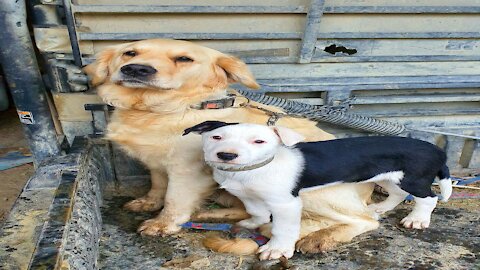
(237, 246)
(326, 221)
(150, 118)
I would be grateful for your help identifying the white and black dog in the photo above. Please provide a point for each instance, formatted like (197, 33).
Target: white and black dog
(266, 168)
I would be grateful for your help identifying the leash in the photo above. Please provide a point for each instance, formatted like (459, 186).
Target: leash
(274, 116)
(229, 102)
(235, 231)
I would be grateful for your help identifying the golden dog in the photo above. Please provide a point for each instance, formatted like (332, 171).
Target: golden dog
(156, 87)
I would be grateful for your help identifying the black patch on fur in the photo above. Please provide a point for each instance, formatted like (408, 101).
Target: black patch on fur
(359, 159)
(206, 126)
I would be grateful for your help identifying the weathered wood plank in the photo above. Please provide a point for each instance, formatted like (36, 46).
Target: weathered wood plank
(387, 50)
(371, 70)
(310, 33)
(401, 9)
(383, 35)
(352, 87)
(248, 60)
(426, 58)
(289, 35)
(434, 78)
(385, 2)
(417, 112)
(186, 9)
(192, 36)
(417, 99)
(367, 9)
(191, 23)
(197, 2)
(280, 2)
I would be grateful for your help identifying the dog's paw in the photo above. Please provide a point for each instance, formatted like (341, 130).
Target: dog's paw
(253, 222)
(416, 222)
(316, 242)
(158, 227)
(144, 204)
(272, 251)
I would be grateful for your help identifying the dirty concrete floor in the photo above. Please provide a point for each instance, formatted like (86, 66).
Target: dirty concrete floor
(12, 180)
(452, 242)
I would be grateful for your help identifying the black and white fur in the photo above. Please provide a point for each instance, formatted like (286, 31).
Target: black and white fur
(238, 154)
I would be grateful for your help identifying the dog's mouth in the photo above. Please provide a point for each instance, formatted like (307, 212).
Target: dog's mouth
(124, 81)
(231, 163)
(138, 83)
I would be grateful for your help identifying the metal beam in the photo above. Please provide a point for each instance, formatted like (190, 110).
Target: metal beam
(72, 32)
(20, 67)
(310, 34)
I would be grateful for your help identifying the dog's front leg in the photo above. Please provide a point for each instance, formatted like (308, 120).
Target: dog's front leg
(187, 187)
(285, 230)
(153, 200)
(258, 210)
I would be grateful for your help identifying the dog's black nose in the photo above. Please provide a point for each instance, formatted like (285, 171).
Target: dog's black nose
(135, 70)
(226, 156)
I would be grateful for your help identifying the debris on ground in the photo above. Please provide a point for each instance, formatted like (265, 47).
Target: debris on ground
(191, 262)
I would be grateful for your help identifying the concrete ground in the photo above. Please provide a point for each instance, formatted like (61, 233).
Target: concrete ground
(12, 180)
(451, 243)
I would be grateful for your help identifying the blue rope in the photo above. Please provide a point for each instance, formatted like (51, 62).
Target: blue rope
(207, 226)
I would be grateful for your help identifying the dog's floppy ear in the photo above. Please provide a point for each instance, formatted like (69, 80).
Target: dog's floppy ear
(98, 70)
(206, 126)
(287, 136)
(237, 71)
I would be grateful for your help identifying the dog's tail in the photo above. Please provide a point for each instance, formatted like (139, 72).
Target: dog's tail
(237, 246)
(445, 183)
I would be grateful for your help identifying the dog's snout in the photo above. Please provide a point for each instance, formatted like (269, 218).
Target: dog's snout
(135, 70)
(226, 156)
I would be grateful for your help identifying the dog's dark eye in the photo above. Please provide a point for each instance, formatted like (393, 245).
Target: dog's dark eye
(259, 141)
(183, 59)
(130, 53)
(217, 138)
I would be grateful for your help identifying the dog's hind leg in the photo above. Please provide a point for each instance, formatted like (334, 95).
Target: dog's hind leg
(395, 196)
(327, 239)
(330, 217)
(153, 200)
(420, 216)
(425, 202)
